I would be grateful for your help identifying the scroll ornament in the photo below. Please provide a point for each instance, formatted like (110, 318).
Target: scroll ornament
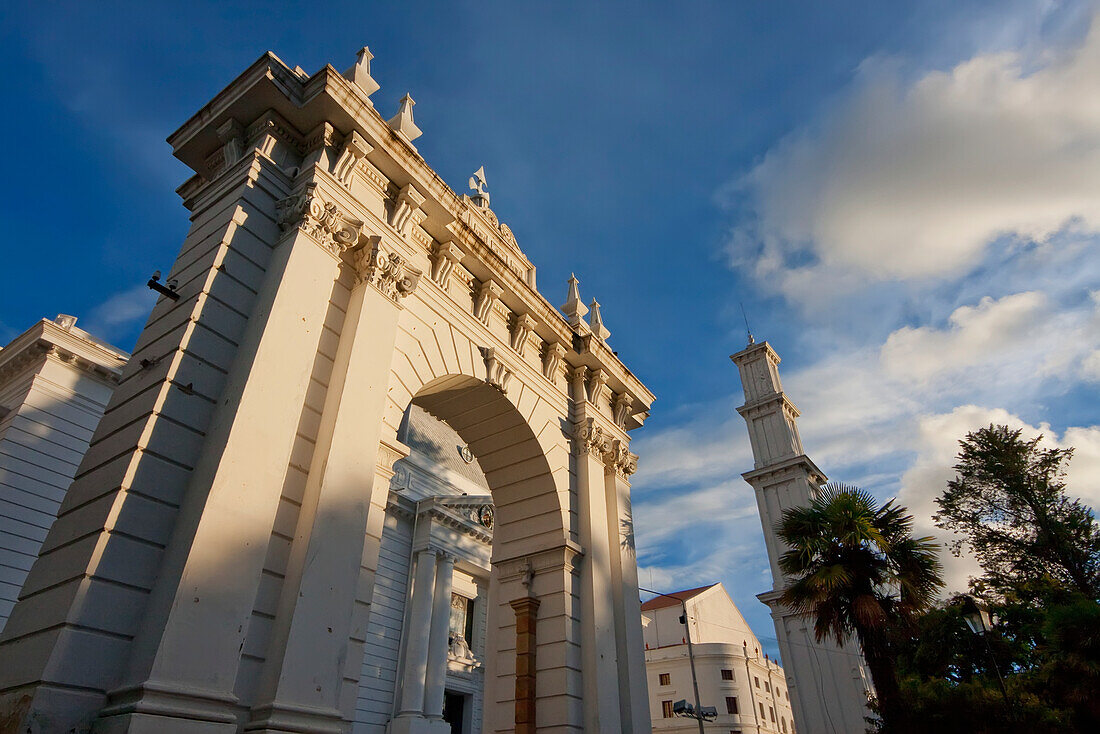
(592, 439)
(389, 272)
(321, 220)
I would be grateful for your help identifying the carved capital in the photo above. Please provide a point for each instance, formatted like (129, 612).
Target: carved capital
(323, 221)
(589, 438)
(387, 271)
(444, 257)
(619, 458)
(497, 373)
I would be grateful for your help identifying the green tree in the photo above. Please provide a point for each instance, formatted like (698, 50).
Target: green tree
(1008, 502)
(856, 569)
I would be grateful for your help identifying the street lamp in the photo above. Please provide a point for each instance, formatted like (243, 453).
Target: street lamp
(698, 713)
(980, 623)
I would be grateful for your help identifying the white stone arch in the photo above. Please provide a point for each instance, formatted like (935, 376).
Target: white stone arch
(521, 436)
(211, 568)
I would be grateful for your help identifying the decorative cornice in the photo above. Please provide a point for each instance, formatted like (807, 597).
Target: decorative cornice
(408, 201)
(784, 467)
(355, 149)
(552, 355)
(487, 294)
(387, 271)
(323, 221)
(522, 325)
(314, 99)
(767, 404)
(444, 257)
(597, 384)
(622, 406)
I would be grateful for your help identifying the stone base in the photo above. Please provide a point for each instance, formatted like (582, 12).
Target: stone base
(140, 723)
(417, 724)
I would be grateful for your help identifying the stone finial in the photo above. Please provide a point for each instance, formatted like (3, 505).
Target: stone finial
(402, 122)
(479, 185)
(360, 73)
(65, 321)
(574, 309)
(597, 321)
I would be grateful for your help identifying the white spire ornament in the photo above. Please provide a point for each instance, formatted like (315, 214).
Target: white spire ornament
(360, 74)
(574, 308)
(597, 321)
(479, 186)
(402, 123)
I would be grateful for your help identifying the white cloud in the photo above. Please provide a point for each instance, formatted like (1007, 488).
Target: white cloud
(976, 334)
(115, 316)
(704, 449)
(908, 180)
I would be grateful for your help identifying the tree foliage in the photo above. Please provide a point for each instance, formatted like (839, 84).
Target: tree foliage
(1008, 503)
(855, 568)
(1039, 550)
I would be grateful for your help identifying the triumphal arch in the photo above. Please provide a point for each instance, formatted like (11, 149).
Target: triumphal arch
(218, 563)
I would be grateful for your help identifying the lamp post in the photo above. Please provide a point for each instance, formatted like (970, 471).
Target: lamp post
(691, 652)
(980, 623)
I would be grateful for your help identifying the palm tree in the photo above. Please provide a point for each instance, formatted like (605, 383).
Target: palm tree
(855, 568)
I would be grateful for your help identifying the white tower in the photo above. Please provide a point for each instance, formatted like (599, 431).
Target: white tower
(827, 684)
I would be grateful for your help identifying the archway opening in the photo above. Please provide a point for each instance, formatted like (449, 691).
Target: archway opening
(476, 489)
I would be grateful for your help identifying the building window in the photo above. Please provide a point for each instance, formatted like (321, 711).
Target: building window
(783, 724)
(664, 679)
(462, 621)
(771, 712)
(666, 709)
(731, 704)
(757, 680)
(727, 675)
(761, 711)
(767, 686)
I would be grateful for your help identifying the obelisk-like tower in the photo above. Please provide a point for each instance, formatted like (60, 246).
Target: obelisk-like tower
(827, 684)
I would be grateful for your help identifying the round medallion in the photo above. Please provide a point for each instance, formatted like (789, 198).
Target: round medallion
(466, 454)
(485, 515)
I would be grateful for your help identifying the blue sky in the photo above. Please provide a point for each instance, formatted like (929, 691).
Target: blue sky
(904, 196)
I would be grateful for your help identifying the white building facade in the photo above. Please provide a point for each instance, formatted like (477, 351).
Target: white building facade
(270, 530)
(748, 689)
(829, 686)
(55, 381)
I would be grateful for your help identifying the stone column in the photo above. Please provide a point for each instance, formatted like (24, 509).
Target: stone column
(305, 668)
(437, 643)
(415, 669)
(526, 623)
(599, 653)
(633, 691)
(185, 659)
